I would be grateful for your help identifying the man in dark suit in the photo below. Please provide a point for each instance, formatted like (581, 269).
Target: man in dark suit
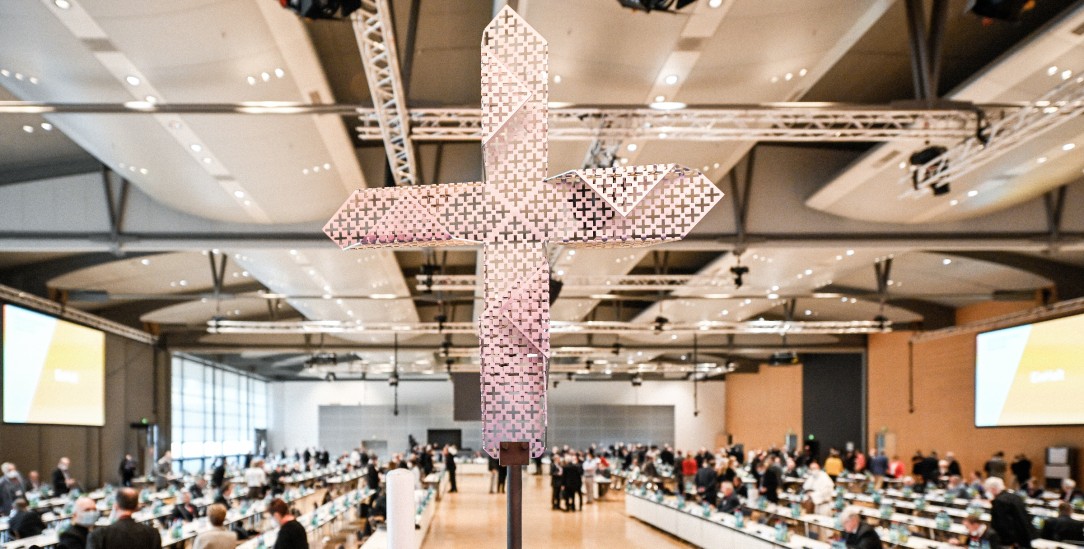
(1063, 527)
(185, 511)
(769, 483)
(857, 533)
(125, 533)
(127, 470)
(572, 481)
(25, 523)
(729, 501)
(11, 487)
(1008, 515)
(84, 516)
(556, 473)
(62, 479)
(707, 483)
(218, 476)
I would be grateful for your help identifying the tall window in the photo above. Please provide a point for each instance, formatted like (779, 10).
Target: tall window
(215, 412)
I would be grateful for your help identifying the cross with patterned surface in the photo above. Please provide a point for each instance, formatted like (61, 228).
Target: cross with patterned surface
(514, 214)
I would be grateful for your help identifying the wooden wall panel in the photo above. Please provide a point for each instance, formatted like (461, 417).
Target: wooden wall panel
(991, 309)
(762, 408)
(943, 415)
(137, 386)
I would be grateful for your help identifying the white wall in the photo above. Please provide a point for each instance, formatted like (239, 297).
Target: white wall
(295, 404)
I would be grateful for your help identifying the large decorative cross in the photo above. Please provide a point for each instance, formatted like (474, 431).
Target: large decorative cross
(514, 214)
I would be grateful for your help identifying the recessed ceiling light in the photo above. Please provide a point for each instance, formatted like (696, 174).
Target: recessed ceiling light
(47, 126)
(1066, 74)
(248, 202)
(183, 283)
(572, 252)
(251, 80)
(715, 165)
(808, 312)
(663, 135)
(660, 98)
(671, 79)
(1068, 146)
(1040, 160)
(667, 105)
(151, 99)
(946, 261)
(28, 129)
(808, 271)
(293, 252)
(207, 160)
(632, 147)
(5, 72)
(850, 252)
(34, 80)
(239, 194)
(305, 171)
(62, 4)
(626, 160)
(788, 76)
(196, 147)
(327, 166)
(953, 202)
(775, 79)
(265, 76)
(560, 273)
(131, 168)
(803, 72)
(143, 171)
(175, 124)
(972, 193)
(1052, 70)
(556, 79)
(714, 3)
(316, 169)
(145, 261)
(132, 80)
(280, 73)
(19, 76)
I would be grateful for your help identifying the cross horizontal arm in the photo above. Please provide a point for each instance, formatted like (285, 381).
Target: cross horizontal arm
(429, 215)
(634, 205)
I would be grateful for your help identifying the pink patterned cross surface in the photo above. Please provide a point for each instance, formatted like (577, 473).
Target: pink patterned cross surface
(514, 214)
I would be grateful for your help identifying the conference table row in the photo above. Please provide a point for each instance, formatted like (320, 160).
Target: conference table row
(708, 528)
(156, 510)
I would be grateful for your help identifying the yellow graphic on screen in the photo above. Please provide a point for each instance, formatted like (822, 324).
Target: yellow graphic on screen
(1046, 389)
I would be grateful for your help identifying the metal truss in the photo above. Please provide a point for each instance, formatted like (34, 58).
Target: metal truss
(1058, 106)
(374, 31)
(776, 327)
(772, 123)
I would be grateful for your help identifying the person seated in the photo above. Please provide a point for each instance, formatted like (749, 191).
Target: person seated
(84, 516)
(218, 537)
(33, 482)
(198, 488)
(223, 495)
(978, 534)
(185, 511)
(1063, 527)
(377, 513)
(1069, 492)
(729, 502)
(956, 489)
(857, 533)
(25, 522)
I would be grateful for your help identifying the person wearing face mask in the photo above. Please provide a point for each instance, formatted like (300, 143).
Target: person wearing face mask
(818, 487)
(11, 487)
(124, 532)
(84, 516)
(62, 479)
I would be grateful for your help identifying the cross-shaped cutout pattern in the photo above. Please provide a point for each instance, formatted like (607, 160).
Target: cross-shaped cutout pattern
(514, 214)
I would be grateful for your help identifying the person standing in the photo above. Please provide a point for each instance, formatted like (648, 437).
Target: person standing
(62, 478)
(127, 470)
(590, 469)
(11, 487)
(1008, 515)
(493, 465)
(449, 466)
(706, 482)
(995, 466)
(556, 482)
(572, 481)
(218, 476)
(164, 470)
(819, 488)
(124, 532)
(878, 467)
(256, 480)
(217, 537)
(292, 534)
(1021, 469)
(84, 516)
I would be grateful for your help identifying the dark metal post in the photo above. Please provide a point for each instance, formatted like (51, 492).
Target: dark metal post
(514, 455)
(920, 59)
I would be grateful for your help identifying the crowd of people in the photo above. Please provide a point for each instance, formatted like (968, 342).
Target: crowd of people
(263, 479)
(730, 479)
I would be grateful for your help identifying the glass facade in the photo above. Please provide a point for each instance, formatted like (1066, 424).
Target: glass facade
(216, 412)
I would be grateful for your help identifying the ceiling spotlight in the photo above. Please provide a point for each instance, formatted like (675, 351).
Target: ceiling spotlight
(667, 105)
(132, 80)
(671, 79)
(28, 129)
(632, 147)
(62, 4)
(714, 3)
(279, 73)
(925, 157)
(637, 379)
(655, 5)
(616, 348)
(47, 126)
(322, 9)
(251, 80)
(783, 358)
(660, 323)
(393, 379)
(739, 271)
(330, 377)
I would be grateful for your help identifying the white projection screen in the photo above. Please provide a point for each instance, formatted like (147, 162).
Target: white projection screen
(53, 370)
(1031, 375)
